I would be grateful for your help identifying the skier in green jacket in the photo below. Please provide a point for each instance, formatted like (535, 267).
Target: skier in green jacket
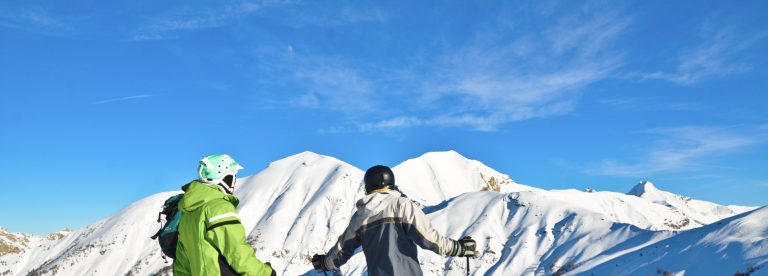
(211, 238)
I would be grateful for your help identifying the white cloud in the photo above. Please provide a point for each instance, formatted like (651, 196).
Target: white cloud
(335, 87)
(214, 19)
(477, 122)
(489, 82)
(501, 74)
(335, 17)
(650, 104)
(681, 149)
(121, 99)
(397, 122)
(715, 56)
(314, 81)
(308, 100)
(167, 28)
(151, 37)
(354, 16)
(33, 18)
(586, 36)
(203, 18)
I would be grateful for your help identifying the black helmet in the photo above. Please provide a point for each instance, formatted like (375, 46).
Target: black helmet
(378, 177)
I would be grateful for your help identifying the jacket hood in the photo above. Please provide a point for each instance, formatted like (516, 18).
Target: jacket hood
(198, 194)
(376, 201)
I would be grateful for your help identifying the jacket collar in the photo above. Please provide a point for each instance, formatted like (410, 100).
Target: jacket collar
(198, 194)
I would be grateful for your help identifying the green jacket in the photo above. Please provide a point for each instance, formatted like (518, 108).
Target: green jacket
(211, 238)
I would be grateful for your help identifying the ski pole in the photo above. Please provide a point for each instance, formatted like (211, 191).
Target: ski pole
(467, 265)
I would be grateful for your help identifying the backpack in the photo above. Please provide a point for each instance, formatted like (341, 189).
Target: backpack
(169, 233)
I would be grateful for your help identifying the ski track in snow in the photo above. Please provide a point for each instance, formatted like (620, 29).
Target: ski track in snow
(298, 206)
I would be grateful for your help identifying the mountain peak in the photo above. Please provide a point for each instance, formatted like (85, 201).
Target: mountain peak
(642, 188)
(307, 154)
(442, 154)
(305, 157)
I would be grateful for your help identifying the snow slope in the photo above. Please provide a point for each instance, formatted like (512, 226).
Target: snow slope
(734, 245)
(437, 176)
(15, 248)
(528, 232)
(289, 202)
(19, 246)
(15, 242)
(699, 212)
(297, 206)
(116, 245)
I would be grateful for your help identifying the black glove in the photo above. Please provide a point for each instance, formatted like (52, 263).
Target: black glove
(273, 270)
(318, 261)
(467, 247)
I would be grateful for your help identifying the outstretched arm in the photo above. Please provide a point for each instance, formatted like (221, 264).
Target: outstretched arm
(340, 253)
(419, 230)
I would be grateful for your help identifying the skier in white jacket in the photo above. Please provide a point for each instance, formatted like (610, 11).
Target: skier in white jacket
(389, 226)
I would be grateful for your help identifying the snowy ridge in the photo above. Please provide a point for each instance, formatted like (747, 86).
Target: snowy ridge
(734, 245)
(19, 247)
(622, 208)
(699, 212)
(297, 206)
(529, 233)
(116, 245)
(437, 176)
(16, 242)
(15, 248)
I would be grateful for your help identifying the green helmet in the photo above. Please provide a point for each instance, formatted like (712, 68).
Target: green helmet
(213, 168)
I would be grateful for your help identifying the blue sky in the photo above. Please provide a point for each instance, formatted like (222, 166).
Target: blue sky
(105, 103)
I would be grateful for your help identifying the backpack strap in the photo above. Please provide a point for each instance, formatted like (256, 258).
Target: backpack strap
(227, 218)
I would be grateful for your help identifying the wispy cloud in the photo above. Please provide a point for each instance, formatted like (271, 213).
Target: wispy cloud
(335, 87)
(477, 122)
(169, 28)
(715, 56)
(504, 72)
(339, 17)
(493, 81)
(196, 18)
(681, 149)
(122, 99)
(397, 122)
(316, 82)
(33, 18)
(641, 104)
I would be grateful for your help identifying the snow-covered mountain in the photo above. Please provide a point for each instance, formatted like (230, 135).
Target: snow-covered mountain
(698, 212)
(733, 246)
(297, 206)
(11, 243)
(437, 176)
(15, 248)
(116, 245)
